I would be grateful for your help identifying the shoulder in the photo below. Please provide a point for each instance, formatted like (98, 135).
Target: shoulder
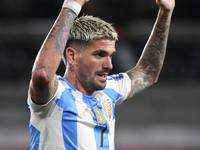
(118, 86)
(115, 80)
(116, 77)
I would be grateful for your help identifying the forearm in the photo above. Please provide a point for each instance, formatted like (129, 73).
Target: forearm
(152, 58)
(44, 82)
(49, 57)
(151, 61)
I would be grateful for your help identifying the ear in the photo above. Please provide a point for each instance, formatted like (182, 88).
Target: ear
(71, 55)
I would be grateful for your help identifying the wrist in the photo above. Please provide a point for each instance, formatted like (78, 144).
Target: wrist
(166, 13)
(74, 6)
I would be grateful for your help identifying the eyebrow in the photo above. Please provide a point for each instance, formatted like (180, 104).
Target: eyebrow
(103, 51)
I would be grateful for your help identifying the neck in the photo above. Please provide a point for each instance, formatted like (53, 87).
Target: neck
(71, 77)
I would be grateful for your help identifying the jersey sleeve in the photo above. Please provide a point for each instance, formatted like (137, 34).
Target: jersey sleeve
(47, 109)
(121, 84)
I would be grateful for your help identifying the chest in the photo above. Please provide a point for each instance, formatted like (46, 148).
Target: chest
(97, 110)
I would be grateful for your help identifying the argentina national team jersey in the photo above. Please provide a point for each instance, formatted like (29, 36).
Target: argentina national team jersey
(74, 121)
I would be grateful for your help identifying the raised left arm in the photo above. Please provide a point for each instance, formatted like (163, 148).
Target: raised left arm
(148, 68)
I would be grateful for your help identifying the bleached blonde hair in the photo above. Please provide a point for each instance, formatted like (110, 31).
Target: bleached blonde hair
(86, 29)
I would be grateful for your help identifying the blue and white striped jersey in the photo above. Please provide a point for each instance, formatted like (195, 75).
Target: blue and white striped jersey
(74, 121)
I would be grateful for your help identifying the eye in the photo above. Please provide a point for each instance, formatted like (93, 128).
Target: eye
(99, 55)
(111, 56)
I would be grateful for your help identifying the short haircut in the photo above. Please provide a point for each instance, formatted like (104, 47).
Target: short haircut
(86, 29)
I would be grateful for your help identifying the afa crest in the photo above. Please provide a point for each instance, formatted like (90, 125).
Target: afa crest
(100, 118)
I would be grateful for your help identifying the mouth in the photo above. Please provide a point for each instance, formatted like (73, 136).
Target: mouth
(102, 76)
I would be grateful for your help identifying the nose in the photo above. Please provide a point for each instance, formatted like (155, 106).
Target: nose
(108, 63)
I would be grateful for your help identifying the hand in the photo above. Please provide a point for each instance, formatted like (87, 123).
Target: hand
(166, 5)
(81, 2)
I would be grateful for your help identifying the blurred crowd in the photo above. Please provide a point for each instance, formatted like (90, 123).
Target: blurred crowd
(25, 23)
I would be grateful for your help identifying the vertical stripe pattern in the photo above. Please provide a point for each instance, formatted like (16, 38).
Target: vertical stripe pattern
(74, 121)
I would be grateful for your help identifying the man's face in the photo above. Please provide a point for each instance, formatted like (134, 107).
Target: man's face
(94, 65)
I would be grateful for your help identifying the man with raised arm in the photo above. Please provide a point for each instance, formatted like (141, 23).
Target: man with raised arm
(76, 111)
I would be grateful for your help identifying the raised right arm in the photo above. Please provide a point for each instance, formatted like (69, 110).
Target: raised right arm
(148, 68)
(44, 82)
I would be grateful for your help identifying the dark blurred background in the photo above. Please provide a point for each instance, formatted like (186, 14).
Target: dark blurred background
(167, 115)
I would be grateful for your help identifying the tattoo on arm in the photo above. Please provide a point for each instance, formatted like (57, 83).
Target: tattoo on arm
(43, 67)
(47, 93)
(54, 86)
(138, 82)
(55, 44)
(61, 30)
(151, 62)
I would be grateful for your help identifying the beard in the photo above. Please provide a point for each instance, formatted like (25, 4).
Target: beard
(87, 79)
